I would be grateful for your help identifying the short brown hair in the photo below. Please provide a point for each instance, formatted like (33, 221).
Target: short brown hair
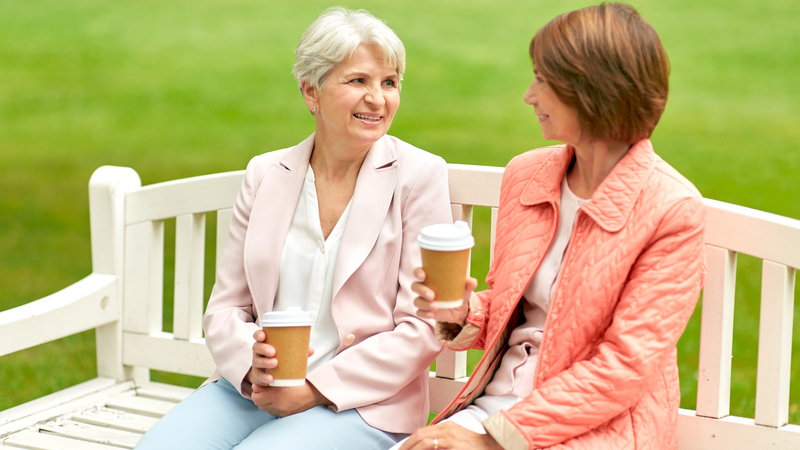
(607, 62)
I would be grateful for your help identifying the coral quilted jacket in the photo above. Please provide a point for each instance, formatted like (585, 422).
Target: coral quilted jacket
(607, 376)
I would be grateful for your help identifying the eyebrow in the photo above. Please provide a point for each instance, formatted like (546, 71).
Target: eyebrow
(366, 75)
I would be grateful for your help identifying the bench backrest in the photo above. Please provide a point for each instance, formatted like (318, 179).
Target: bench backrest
(730, 230)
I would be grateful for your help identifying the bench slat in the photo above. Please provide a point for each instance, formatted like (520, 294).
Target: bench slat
(45, 441)
(190, 241)
(733, 433)
(474, 185)
(161, 391)
(92, 433)
(85, 395)
(716, 334)
(774, 345)
(141, 405)
(116, 419)
(186, 196)
(144, 277)
(186, 357)
(753, 232)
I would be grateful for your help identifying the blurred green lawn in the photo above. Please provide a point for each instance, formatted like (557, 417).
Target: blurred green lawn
(182, 88)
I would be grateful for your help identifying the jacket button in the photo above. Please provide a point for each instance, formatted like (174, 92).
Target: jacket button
(348, 341)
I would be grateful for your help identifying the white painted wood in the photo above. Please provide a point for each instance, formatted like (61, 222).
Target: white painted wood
(187, 196)
(84, 305)
(161, 391)
(114, 418)
(161, 351)
(752, 232)
(143, 289)
(474, 185)
(107, 189)
(775, 345)
(46, 441)
(190, 246)
(91, 433)
(85, 395)
(733, 433)
(716, 334)
(451, 365)
(442, 391)
(140, 405)
(224, 217)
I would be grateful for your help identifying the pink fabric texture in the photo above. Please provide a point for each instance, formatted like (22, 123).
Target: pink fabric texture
(381, 366)
(607, 375)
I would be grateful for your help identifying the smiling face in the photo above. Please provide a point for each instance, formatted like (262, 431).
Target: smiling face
(559, 121)
(357, 101)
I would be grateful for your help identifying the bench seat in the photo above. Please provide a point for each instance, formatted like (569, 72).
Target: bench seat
(122, 300)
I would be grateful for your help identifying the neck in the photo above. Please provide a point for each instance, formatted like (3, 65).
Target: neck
(336, 162)
(593, 162)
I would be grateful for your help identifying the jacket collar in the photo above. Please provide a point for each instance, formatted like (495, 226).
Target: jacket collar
(611, 205)
(380, 155)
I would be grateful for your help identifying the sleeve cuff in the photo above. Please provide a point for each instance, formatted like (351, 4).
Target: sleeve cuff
(504, 432)
(458, 338)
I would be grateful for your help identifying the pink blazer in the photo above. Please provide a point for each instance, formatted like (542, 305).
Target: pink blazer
(381, 365)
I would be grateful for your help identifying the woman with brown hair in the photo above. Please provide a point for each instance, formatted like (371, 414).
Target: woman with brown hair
(598, 260)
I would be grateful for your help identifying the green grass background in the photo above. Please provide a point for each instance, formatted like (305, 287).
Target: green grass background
(183, 88)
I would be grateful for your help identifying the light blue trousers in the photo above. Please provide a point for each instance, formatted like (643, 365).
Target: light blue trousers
(217, 417)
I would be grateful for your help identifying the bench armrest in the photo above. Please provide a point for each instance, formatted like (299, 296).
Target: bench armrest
(84, 305)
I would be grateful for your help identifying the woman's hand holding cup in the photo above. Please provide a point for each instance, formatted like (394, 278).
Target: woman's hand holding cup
(445, 252)
(429, 308)
(264, 360)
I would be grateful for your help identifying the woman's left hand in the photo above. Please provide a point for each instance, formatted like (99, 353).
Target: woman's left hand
(285, 401)
(449, 436)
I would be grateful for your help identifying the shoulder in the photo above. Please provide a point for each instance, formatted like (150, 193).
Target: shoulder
(677, 199)
(671, 186)
(410, 157)
(526, 164)
(268, 158)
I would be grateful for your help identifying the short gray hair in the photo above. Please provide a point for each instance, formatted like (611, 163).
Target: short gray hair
(336, 35)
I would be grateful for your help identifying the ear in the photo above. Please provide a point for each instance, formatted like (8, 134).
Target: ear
(310, 95)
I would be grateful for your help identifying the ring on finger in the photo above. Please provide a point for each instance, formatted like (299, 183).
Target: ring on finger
(435, 444)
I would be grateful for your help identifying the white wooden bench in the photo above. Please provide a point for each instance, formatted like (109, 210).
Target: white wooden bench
(122, 300)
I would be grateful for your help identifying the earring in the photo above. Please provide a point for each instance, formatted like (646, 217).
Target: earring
(314, 109)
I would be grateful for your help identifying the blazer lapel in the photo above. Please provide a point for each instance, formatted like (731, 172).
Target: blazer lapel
(373, 194)
(270, 218)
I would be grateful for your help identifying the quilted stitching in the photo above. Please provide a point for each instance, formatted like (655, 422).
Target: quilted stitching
(607, 374)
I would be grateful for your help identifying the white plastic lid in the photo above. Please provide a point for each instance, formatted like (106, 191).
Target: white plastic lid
(446, 237)
(292, 317)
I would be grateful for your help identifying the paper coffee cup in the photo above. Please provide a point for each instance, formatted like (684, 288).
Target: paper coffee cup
(445, 257)
(289, 332)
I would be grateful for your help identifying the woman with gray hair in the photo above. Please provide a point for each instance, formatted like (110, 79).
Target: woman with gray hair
(330, 226)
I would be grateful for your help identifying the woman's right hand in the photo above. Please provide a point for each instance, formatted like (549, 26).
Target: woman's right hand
(428, 307)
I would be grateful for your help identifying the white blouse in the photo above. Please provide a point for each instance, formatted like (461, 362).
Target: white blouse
(306, 275)
(515, 375)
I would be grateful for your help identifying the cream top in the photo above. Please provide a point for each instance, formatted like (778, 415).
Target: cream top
(517, 369)
(306, 275)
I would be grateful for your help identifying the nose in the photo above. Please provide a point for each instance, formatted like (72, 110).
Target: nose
(374, 96)
(530, 95)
